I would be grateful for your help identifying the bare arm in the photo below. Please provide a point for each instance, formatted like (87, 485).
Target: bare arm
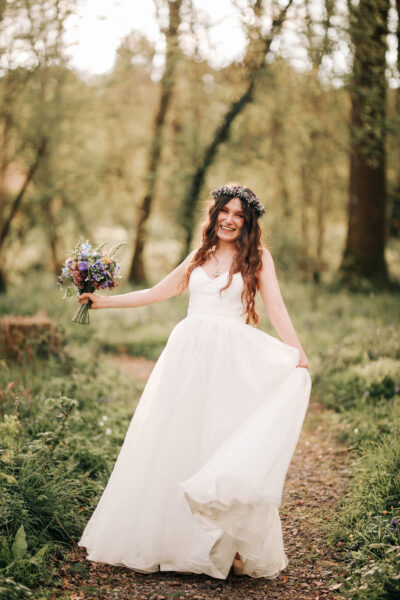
(166, 288)
(275, 306)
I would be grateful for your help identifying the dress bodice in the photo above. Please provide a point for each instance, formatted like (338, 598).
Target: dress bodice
(205, 296)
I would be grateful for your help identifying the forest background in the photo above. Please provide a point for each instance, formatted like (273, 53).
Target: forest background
(309, 118)
(133, 153)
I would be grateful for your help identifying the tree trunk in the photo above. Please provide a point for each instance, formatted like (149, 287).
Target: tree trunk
(256, 53)
(137, 270)
(394, 222)
(6, 224)
(365, 244)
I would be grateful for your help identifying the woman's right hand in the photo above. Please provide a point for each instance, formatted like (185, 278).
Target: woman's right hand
(97, 300)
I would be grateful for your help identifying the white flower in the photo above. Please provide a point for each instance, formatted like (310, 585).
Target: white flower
(108, 431)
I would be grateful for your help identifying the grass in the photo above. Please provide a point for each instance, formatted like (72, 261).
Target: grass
(65, 419)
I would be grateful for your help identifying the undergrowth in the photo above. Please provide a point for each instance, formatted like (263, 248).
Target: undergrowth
(63, 420)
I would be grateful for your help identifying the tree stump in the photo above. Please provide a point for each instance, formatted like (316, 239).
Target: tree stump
(28, 336)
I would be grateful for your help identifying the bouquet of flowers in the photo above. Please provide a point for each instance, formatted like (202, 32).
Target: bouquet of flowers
(89, 269)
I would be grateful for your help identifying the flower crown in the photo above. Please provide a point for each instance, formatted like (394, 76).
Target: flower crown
(238, 191)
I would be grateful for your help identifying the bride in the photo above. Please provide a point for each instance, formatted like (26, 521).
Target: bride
(198, 481)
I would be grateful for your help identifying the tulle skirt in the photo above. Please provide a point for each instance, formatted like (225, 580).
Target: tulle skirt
(201, 471)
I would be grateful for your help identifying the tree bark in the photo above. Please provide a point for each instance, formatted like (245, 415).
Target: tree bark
(365, 243)
(394, 223)
(255, 61)
(137, 269)
(5, 229)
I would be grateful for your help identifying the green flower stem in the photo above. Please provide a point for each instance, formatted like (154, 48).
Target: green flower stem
(82, 314)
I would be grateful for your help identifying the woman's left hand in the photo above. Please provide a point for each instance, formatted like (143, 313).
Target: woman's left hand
(303, 361)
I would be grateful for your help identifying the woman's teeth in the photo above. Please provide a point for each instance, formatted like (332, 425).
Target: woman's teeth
(227, 228)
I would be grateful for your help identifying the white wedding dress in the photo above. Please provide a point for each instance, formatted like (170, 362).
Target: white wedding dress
(200, 474)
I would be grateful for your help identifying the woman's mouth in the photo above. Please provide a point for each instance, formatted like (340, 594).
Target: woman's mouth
(227, 228)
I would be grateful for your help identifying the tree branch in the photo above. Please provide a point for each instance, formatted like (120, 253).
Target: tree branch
(18, 198)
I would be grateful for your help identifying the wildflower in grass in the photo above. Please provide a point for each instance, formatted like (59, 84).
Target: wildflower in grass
(104, 399)
(395, 526)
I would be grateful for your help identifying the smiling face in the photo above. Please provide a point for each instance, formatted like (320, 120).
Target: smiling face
(230, 220)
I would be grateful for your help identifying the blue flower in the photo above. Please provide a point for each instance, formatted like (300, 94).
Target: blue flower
(86, 247)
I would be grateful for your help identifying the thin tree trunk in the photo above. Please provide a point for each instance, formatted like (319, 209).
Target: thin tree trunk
(188, 213)
(320, 233)
(137, 270)
(255, 59)
(5, 229)
(277, 134)
(303, 260)
(365, 244)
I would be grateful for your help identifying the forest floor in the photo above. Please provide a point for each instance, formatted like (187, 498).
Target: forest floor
(316, 480)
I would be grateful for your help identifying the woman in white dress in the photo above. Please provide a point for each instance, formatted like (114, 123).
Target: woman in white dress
(198, 481)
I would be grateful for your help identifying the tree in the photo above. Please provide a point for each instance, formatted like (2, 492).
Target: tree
(137, 270)
(365, 244)
(31, 108)
(394, 222)
(254, 62)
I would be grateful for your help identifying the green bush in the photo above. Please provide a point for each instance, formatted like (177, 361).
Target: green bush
(369, 523)
(58, 442)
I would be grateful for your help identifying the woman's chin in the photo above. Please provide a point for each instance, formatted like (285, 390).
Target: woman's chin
(225, 237)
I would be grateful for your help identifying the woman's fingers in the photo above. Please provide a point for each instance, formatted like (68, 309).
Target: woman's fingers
(84, 298)
(302, 365)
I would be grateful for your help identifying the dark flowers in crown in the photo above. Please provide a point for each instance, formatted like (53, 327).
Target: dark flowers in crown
(238, 191)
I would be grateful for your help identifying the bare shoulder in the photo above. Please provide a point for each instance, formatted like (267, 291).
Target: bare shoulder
(266, 257)
(188, 258)
(186, 261)
(267, 262)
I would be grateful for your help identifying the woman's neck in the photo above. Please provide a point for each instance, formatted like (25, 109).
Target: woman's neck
(223, 247)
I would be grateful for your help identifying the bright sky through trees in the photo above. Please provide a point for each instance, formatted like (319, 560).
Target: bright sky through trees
(100, 24)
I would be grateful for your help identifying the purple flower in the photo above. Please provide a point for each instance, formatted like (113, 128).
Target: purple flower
(84, 265)
(103, 399)
(396, 388)
(395, 526)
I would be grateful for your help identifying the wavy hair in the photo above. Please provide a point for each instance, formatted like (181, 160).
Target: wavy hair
(249, 248)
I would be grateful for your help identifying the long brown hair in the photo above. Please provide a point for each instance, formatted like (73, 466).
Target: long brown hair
(248, 258)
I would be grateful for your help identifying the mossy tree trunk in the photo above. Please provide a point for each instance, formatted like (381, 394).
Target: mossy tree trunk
(394, 219)
(365, 244)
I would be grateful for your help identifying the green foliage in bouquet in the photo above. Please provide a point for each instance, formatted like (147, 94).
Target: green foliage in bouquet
(89, 269)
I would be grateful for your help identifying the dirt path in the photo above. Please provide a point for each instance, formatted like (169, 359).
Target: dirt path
(316, 478)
